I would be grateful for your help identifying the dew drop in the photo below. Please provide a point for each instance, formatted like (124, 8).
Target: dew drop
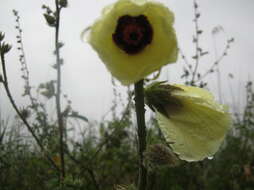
(210, 158)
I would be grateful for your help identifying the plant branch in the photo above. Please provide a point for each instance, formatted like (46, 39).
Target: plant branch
(185, 60)
(6, 87)
(140, 114)
(219, 59)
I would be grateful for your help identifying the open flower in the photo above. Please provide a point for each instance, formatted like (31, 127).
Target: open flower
(134, 39)
(191, 121)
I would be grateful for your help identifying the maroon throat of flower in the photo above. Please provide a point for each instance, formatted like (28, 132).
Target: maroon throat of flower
(133, 33)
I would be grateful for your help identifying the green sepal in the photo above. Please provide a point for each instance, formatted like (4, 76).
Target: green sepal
(158, 97)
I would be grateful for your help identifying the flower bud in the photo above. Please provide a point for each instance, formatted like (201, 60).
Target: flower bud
(5, 48)
(1, 36)
(51, 20)
(161, 155)
(63, 3)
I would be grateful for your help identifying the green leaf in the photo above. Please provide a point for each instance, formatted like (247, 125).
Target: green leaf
(51, 20)
(77, 116)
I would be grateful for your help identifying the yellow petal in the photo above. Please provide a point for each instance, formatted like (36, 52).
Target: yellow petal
(199, 96)
(196, 132)
(196, 126)
(131, 68)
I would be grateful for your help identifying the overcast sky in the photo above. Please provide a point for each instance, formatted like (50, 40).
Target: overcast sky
(86, 80)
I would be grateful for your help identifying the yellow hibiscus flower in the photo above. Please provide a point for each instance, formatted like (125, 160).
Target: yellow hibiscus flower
(134, 39)
(191, 121)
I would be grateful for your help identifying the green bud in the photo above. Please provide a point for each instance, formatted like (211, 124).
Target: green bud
(47, 8)
(5, 48)
(161, 155)
(51, 20)
(15, 12)
(63, 3)
(25, 113)
(1, 36)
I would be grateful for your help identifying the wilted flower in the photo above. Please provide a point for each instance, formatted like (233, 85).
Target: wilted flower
(192, 122)
(134, 39)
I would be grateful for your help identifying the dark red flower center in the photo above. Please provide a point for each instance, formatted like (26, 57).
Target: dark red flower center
(133, 34)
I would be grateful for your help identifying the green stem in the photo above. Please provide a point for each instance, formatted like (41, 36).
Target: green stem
(140, 113)
(58, 93)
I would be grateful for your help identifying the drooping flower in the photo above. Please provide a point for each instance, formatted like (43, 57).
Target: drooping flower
(134, 39)
(191, 121)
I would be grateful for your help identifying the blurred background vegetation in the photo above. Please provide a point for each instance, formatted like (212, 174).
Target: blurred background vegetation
(102, 155)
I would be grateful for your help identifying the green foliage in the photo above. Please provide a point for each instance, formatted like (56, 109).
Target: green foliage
(109, 158)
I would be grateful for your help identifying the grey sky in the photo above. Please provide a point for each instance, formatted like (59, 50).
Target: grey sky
(85, 78)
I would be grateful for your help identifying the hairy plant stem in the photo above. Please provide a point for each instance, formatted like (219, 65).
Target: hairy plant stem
(29, 128)
(140, 113)
(197, 55)
(24, 64)
(58, 93)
